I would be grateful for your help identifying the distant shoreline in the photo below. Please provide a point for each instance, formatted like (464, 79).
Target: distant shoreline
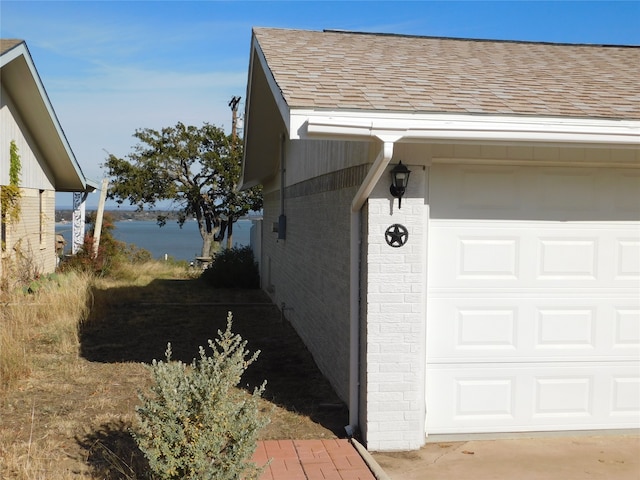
(66, 215)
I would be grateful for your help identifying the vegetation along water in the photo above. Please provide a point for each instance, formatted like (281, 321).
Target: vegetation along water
(171, 240)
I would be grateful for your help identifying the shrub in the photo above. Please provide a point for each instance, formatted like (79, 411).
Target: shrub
(233, 268)
(111, 252)
(196, 425)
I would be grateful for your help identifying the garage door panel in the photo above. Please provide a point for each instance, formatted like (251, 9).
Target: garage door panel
(529, 328)
(626, 328)
(533, 305)
(627, 259)
(564, 258)
(625, 395)
(526, 255)
(494, 398)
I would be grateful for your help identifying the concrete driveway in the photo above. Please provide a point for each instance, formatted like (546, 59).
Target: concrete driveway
(602, 457)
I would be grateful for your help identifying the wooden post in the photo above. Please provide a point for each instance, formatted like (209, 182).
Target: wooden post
(99, 214)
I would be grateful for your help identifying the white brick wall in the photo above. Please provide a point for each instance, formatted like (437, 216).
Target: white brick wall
(309, 272)
(395, 292)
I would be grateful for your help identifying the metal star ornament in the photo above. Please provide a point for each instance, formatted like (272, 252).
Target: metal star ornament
(396, 235)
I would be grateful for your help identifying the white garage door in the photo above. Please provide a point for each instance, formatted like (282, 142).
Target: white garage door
(533, 309)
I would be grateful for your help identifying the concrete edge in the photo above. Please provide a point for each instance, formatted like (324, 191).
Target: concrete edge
(370, 461)
(469, 437)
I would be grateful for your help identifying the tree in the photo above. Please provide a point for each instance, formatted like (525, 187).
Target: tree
(196, 168)
(234, 204)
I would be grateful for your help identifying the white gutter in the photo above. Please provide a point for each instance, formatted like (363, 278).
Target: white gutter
(446, 127)
(379, 166)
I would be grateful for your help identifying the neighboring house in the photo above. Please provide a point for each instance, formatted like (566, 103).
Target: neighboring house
(47, 163)
(514, 304)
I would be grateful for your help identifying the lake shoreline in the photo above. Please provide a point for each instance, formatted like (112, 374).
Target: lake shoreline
(179, 243)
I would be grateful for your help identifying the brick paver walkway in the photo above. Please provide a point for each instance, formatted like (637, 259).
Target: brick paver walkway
(311, 460)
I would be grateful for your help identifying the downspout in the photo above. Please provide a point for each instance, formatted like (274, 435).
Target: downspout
(282, 219)
(370, 181)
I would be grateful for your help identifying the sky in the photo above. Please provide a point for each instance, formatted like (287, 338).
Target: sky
(111, 67)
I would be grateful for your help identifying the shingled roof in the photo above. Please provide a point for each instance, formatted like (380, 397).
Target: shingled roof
(8, 43)
(397, 73)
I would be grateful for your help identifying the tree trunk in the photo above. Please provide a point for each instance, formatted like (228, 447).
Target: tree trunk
(207, 240)
(208, 227)
(230, 234)
(220, 235)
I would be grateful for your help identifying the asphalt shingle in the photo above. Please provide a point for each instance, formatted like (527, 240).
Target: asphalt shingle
(360, 71)
(7, 44)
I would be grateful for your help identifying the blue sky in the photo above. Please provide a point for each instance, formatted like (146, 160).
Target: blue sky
(114, 66)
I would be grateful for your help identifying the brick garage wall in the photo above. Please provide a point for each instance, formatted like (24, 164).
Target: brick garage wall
(308, 272)
(395, 283)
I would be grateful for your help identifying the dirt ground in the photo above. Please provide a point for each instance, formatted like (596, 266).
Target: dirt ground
(72, 418)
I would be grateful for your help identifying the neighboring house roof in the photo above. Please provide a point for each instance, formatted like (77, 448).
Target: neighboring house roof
(8, 43)
(342, 70)
(23, 84)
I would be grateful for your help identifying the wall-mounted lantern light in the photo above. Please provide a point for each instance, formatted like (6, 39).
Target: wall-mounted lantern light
(399, 181)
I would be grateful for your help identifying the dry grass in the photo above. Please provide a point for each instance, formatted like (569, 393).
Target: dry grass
(141, 274)
(36, 330)
(46, 319)
(69, 414)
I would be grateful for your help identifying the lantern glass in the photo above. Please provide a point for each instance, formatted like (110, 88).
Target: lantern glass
(400, 177)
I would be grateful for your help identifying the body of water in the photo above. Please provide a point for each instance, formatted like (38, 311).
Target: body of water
(180, 243)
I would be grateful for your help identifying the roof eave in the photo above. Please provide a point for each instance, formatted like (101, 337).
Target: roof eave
(459, 127)
(262, 136)
(31, 99)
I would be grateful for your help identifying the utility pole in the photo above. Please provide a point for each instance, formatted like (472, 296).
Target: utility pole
(234, 117)
(234, 135)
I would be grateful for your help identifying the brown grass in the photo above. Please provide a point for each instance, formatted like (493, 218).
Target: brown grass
(71, 416)
(45, 319)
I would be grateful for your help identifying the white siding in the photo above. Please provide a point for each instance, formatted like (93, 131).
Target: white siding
(30, 243)
(35, 183)
(35, 173)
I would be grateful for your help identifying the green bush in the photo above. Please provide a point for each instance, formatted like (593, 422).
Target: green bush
(196, 425)
(233, 268)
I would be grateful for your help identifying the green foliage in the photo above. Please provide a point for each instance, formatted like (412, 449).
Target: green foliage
(10, 194)
(14, 164)
(233, 268)
(195, 424)
(51, 280)
(196, 168)
(234, 204)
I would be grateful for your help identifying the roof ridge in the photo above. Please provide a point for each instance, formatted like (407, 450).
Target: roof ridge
(465, 39)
